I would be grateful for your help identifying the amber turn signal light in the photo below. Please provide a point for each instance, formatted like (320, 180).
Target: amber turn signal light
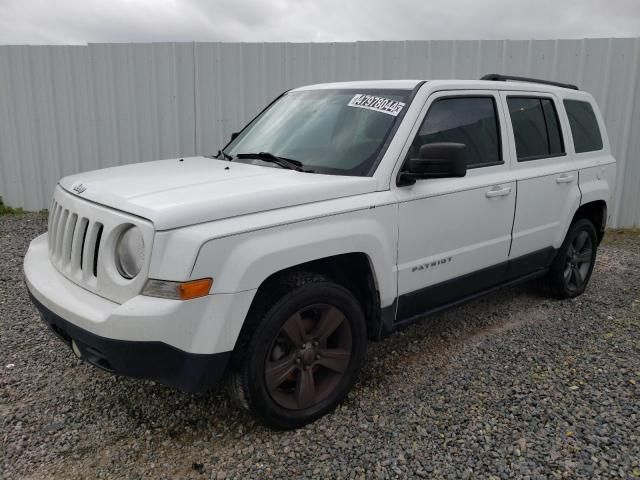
(178, 290)
(195, 288)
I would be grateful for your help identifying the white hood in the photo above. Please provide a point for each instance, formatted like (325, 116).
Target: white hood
(175, 193)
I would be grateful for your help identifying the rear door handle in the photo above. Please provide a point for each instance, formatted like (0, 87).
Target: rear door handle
(564, 178)
(498, 191)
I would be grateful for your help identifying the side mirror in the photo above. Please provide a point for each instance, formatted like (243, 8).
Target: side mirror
(234, 135)
(435, 160)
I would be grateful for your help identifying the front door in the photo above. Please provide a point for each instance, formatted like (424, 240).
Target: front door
(455, 233)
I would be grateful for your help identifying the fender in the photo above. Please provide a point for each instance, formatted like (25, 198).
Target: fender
(596, 183)
(242, 262)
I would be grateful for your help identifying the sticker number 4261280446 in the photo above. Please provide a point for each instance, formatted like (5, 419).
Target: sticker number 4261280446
(378, 104)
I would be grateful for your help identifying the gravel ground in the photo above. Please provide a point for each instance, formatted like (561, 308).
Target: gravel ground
(514, 385)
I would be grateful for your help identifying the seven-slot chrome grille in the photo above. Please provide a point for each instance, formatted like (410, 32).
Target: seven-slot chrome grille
(74, 242)
(82, 240)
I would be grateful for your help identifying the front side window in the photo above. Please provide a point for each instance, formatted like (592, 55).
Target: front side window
(584, 126)
(329, 131)
(469, 120)
(535, 127)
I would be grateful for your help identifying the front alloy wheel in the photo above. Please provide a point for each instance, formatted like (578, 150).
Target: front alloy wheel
(309, 357)
(300, 351)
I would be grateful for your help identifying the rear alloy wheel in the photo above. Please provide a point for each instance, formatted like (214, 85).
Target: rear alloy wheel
(578, 261)
(306, 349)
(574, 262)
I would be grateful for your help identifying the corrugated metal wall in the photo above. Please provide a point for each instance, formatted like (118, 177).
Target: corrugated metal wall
(65, 109)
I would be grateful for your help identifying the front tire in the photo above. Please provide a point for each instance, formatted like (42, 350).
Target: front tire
(572, 268)
(301, 354)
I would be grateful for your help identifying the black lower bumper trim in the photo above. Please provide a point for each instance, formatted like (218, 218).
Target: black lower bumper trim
(189, 372)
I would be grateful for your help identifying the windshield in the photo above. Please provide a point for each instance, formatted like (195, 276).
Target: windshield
(329, 131)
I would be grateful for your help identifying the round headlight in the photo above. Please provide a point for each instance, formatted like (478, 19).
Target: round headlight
(130, 252)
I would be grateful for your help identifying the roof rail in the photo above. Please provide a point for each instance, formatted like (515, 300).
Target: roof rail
(504, 78)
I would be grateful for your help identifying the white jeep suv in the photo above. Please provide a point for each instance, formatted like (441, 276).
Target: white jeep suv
(340, 213)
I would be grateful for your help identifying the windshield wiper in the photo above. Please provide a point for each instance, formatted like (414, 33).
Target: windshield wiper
(270, 157)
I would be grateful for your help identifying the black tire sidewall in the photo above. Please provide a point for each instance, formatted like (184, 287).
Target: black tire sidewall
(561, 286)
(257, 394)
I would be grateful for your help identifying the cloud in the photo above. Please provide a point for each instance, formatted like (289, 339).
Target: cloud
(95, 21)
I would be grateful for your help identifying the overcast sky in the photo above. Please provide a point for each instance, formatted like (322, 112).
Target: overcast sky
(87, 21)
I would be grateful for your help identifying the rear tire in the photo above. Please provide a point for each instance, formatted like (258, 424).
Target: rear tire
(301, 351)
(571, 270)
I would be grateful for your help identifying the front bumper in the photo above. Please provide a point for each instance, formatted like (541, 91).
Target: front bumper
(185, 344)
(189, 372)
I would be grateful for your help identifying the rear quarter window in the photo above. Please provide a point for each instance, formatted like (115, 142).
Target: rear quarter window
(584, 126)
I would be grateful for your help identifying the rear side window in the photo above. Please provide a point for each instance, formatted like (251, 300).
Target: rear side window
(584, 126)
(469, 120)
(535, 127)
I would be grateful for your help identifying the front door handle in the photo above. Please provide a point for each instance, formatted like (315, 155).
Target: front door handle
(564, 178)
(498, 191)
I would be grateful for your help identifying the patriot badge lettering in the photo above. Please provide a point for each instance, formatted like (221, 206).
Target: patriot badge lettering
(377, 104)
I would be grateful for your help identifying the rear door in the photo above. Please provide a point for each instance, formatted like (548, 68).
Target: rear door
(547, 178)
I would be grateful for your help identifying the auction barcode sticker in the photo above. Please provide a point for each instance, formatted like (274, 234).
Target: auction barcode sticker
(378, 104)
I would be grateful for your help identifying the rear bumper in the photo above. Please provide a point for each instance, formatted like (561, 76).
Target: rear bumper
(189, 372)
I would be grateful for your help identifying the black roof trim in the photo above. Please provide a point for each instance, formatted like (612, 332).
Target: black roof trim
(503, 78)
